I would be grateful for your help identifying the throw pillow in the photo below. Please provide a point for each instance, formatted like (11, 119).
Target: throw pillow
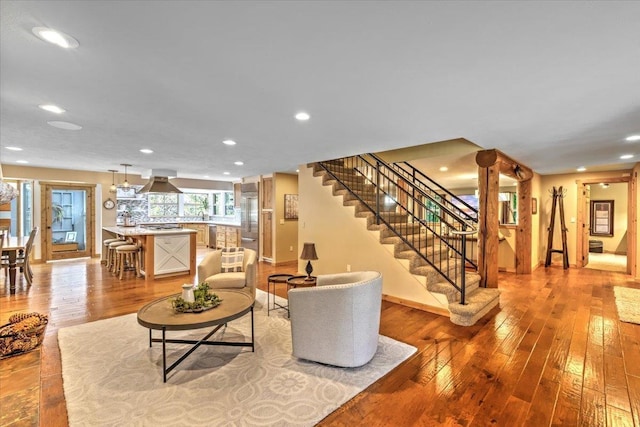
(232, 260)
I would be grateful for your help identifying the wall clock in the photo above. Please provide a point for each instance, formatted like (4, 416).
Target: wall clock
(109, 204)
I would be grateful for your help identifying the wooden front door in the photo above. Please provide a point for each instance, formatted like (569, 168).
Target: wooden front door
(68, 218)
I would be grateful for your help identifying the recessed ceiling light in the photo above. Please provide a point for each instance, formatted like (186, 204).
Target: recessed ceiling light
(229, 142)
(14, 148)
(633, 138)
(581, 169)
(302, 116)
(297, 170)
(22, 161)
(146, 151)
(238, 163)
(206, 176)
(226, 173)
(55, 37)
(444, 169)
(626, 156)
(52, 108)
(65, 125)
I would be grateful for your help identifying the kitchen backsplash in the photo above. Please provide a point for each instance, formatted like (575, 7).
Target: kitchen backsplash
(138, 210)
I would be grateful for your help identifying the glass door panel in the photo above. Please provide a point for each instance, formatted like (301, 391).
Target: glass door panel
(68, 227)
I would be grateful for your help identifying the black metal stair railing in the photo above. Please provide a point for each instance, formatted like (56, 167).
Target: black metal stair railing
(426, 226)
(453, 202)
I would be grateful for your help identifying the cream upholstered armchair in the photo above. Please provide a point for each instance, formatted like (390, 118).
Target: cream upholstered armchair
(210, 271)
(337, 322)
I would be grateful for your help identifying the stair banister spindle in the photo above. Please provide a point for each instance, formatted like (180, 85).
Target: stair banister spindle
(377, 192)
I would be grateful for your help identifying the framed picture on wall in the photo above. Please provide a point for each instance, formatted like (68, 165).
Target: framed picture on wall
(290, 206)
(601, 218)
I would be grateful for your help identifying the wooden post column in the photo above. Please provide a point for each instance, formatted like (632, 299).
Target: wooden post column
(523, 231)
(492, 163)
(488, 187)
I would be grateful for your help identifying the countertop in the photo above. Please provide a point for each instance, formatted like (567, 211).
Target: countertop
(141, 231)
(209, 222)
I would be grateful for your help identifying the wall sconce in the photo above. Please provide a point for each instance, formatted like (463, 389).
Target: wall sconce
(309, 253)
(113, 187)
(125, 184)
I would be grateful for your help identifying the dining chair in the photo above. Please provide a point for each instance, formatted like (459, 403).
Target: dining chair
(23, 261)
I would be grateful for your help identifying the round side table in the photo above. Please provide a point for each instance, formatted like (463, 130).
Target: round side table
(272, 281)
(301, 282)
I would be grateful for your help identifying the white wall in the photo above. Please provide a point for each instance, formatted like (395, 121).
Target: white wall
(342, 239)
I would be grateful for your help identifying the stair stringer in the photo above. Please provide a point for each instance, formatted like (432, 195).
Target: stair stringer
(348, 241)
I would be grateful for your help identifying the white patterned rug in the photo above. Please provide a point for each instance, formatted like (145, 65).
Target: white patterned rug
(112, 377)
(628, 304)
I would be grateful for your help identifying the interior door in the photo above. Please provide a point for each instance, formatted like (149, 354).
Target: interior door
(68, 221)
(586, 224)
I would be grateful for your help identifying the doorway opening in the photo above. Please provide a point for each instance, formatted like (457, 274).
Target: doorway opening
(605, 212)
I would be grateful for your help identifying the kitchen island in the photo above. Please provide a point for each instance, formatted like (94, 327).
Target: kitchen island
(165, 251)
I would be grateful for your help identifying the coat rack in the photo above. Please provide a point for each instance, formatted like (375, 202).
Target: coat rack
(558, 196)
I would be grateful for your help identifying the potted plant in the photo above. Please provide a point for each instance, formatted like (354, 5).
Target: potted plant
(204, 204)
(57, 212)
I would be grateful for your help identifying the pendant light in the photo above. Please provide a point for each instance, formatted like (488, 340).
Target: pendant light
(113, 187)
(125, 184)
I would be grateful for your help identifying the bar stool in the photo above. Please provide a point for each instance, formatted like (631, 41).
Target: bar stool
(112, 259)
(130, 253)
(105, 251)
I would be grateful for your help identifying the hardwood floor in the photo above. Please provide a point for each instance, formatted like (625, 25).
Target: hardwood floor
(554, 354)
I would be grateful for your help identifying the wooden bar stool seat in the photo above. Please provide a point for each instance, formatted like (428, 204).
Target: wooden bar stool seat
(127, 254)
(105, 250)
(111, 256)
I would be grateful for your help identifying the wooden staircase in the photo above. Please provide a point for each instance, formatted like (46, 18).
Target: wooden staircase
(479, 301)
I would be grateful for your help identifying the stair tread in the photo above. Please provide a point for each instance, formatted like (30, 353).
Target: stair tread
(478, 300)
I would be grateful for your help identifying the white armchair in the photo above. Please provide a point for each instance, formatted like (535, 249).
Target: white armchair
(210, 271)
(337, 322)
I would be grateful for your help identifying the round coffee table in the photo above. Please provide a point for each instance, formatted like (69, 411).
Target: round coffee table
(160, 315)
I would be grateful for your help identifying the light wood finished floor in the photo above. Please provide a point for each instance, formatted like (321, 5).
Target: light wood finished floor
(554, 354)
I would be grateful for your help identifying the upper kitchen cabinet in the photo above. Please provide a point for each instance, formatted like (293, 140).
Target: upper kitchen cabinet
(129, 193)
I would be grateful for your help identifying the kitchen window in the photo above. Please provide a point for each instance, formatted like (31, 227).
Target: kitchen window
(195, 204)
(163, 204)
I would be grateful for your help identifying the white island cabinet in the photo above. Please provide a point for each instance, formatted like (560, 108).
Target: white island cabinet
(165, 252)
(171, 254)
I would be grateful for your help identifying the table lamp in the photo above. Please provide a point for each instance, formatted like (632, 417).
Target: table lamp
(309, 253)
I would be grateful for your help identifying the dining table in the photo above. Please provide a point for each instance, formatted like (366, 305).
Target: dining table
(12, 248)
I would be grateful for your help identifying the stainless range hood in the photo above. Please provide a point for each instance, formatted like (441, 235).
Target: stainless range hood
(160, 184)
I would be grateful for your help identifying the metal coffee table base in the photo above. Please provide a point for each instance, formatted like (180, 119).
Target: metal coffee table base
(196, 344)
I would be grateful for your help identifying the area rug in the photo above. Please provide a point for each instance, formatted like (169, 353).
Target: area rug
(628, 304)
(112, 378)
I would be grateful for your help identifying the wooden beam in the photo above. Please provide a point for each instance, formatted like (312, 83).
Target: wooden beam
(508, 166)
(488, 188)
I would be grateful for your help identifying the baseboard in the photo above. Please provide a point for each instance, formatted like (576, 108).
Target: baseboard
(419, 306)
(285, 263)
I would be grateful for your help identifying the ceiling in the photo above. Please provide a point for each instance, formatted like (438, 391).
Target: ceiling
(555, 85)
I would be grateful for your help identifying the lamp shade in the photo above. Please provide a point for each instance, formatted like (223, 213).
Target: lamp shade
(309, 251)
